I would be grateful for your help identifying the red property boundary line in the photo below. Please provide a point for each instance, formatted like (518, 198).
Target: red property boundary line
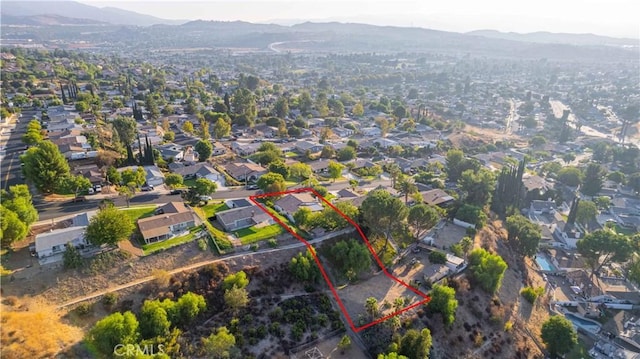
(321, 267)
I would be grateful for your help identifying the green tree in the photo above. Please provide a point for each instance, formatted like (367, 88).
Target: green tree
(126, 192)
(205, 187)
(345, 343)
(219, 345)
(74, 184)
(204, 149)
(472, 214)
(303, 266)
(13, 229)
(154, 320)
(487, 269)
(302, 216)
(383, 213)
(358, 110)
(109, 226)
(221, 128)
(187, 127)
(602, 247)
(407, 187)
(568, 157)
(236, 298)
(346, 153)
(300, 171)
(173, 180)
(113, 176)
(372, 307)
(586, 212)
(271, 182)
(187, 308)
(421, 218)
(478, 186)
(71, 257)
(137, 177)
(571, 176)
(19, 200)
(244, 103)
(281, 107)
(327, 151)
(126, 129)
(238, 279)
(33, 135)
(279, 167)
(43, 165)
(593, 178)
(305, 103)
(558, 335)
(416, 344)
(350, 258)
(335, 170)
(443, 300)
(457, 163)
(117, 328)
(524, 234)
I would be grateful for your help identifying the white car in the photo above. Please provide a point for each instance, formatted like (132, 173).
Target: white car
(205, 198)
(98, 188)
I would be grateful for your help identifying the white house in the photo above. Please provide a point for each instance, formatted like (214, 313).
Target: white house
(154, 176)
(371, 131)
(54, 242)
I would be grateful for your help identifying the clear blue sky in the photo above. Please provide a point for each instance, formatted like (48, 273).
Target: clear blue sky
(618, 18)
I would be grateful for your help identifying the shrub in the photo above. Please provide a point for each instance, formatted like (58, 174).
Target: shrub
(110, 299)
(508, 326)
(84, 309)
(531, 293)
(202, 244)
(162, 277)
(272, 243)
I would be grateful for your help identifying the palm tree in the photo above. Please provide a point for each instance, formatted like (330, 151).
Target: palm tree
(371, 305)
(407, 187)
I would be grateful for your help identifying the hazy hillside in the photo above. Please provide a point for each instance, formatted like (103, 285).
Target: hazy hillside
(46, 20)
(73, 9)
(557, 38)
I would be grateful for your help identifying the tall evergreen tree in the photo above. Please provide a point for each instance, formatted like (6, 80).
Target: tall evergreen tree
(508, 191)
(573, 211)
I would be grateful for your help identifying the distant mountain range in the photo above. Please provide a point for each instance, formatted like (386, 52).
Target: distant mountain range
(557, 38)
(127, 29)
(26, 10)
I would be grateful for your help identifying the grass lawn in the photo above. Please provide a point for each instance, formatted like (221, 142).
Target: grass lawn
(218, 236)
(189, 182)
(213, 208)
(291, 183)
(252, 234)
(290, 154)
(154, 247)
(135, 213)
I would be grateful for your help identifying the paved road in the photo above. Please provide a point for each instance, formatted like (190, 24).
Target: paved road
(10, 170)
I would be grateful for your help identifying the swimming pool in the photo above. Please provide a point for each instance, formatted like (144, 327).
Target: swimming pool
(544, 264)
(583, 323)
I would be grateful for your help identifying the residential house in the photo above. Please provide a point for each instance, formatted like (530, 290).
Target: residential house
(371, 131)
(190, 156)
(154, 176)
(385, 142)
(262, 130)
(242, 217)
(315, 122)
(219, 149)
(76, 152)
(303, 146)
(319, 166)
(291, 203)
(54, 242)
(538, 207)
(535, 187)
(245, 171)
(171, 150)
(199, 170)
(346, 194)
(455, 264)
(362, 163)
(567, 234)
(174, 218)
(343, 132)
(245, 148)
(437, 197)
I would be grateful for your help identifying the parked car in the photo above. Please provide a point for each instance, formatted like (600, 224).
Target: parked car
(205, 198)
(176, 191)
(78, 199)
(97, 188)
(91, 191)
(147, 188)
(252, 187)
